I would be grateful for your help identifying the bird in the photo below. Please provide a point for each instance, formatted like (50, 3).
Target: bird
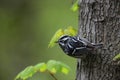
(76, 47)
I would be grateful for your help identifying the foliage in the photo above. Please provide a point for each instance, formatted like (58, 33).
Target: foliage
(68, 31)
(117, 57)
(51, 66)
(75, 6)
(56, 36)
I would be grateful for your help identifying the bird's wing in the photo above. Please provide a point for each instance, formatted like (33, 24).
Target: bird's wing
(86, 42)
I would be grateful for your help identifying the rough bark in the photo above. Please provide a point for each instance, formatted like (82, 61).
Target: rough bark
(99, 22)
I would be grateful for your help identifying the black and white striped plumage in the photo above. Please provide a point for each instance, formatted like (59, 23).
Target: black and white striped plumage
(76, 47)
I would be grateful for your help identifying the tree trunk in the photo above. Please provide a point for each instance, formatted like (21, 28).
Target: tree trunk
(99, 22)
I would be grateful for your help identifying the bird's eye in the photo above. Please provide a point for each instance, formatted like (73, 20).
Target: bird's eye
(63, 41)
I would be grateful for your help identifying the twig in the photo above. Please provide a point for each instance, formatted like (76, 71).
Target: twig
(53, 76)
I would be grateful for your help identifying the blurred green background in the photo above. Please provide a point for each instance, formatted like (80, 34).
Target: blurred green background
(26, 27)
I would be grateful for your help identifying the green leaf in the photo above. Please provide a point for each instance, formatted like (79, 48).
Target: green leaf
(70, 31)
(57, 66)
(55, 38)
(40, 67)
(51, 66)
(75, 6)
(30, 71)
(26, 73)
(117, 57)
(64, 68)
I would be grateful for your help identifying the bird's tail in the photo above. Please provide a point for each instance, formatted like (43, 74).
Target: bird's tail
(99, 45)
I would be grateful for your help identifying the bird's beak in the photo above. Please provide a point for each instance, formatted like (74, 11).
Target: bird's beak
(56, 41)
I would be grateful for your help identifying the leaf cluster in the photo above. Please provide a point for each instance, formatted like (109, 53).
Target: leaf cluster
(51, 66)
(75, 6)
(60, 32)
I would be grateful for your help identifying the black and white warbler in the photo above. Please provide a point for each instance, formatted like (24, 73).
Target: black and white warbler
(76, 47)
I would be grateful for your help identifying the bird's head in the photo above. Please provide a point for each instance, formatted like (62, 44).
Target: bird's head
(63, 40)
